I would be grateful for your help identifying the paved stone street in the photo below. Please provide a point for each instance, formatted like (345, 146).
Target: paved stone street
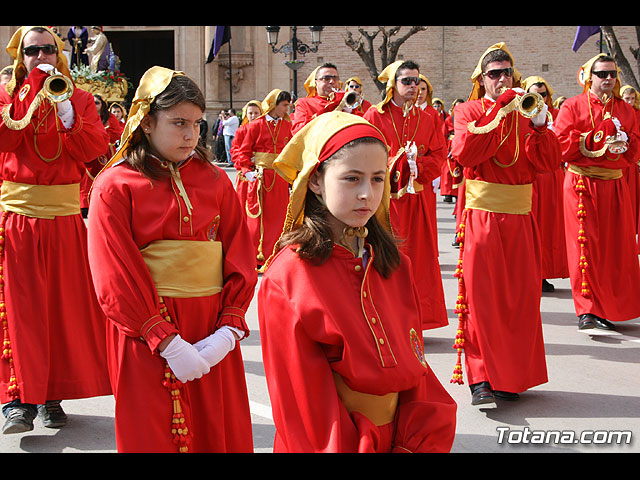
(592, 395)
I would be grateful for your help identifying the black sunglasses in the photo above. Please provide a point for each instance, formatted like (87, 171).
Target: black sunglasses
(605, 73)
(409, 80)
(496, 74)
(33, 50)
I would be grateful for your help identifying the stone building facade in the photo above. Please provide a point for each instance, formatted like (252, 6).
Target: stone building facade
(447, 55)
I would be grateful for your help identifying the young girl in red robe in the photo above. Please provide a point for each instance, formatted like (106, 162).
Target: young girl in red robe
(168, 247)
(339, 314)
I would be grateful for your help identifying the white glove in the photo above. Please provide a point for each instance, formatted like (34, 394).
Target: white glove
(184, 360)
(519, 90)
(217, 345)
(251, 175)
(541, 118)
(45, 67)
(616, 122)
(622, 136)
(436, 184)
(65, 113)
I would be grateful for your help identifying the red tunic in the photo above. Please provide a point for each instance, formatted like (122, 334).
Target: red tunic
(265, 201)
(613, 274)
(127, 212)
(501, 254)
(114, 129)
(346, 319)
(55, 324)
(547, 208)
(413, 216)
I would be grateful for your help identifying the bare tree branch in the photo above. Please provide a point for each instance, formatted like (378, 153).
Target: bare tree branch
(388, 49)
(619, 57)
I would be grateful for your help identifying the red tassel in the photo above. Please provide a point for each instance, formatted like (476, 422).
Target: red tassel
(179, 429)
(461, 308)
(580, 188)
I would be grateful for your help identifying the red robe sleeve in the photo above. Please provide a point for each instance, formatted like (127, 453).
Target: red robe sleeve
(307, 423)
(84, 141)
(471, 149)
(575, 119)
(120, 276)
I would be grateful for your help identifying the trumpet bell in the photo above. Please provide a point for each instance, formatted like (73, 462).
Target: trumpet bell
(531, 104)
(352, 99)
(58, 88)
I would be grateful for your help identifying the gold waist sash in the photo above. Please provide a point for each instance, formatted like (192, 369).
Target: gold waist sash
(596, 172)
(185, 268)
(264, 159)
(380, 409)
(40, 201)
(498, 197)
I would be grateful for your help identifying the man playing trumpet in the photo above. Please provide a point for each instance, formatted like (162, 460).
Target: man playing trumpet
(599, 225)
(323, 95)
(53, 327)
(499, 271)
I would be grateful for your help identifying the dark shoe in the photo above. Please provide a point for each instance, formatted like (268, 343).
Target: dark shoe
(547, 287)
(603, 324)
(509, 396)
(586, 321)
(19, 420)
(52, 415)
(481, 395)
(448, 199)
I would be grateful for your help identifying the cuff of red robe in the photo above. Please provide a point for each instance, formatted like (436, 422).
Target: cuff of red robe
(233, 317)
(155, 330)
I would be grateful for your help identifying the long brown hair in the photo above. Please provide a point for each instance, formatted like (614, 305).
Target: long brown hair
(314, 240)
(180, 89)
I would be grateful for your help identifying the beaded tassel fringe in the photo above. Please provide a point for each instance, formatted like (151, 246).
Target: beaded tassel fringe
(582, 239)
(461, 308)
(179, 429)
(7, 354)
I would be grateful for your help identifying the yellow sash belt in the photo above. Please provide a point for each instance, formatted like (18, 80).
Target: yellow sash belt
(264, 159)
(40, 201)
(596, 172)
(185, 268)
(380, 409)
(498, 197)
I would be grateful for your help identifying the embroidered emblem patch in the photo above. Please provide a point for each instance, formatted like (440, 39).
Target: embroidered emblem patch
(417, 347)
(23, 92)
(598, 136)
(212, 231)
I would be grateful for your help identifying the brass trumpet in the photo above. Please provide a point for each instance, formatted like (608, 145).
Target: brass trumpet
(349, 100)
(530, 104)
(58, 88)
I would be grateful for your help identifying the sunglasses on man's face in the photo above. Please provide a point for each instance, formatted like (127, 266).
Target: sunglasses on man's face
(33, 50)
(409, 80)
(496, 74)
(605, 73)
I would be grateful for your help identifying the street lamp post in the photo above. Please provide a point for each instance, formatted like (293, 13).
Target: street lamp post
(293, 47)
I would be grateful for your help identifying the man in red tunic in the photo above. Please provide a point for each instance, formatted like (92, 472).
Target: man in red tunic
(599, 224)
(547, 200)
(323, 95)
(53, 327)
(412, 214)
(499, 272)
(263, 194)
